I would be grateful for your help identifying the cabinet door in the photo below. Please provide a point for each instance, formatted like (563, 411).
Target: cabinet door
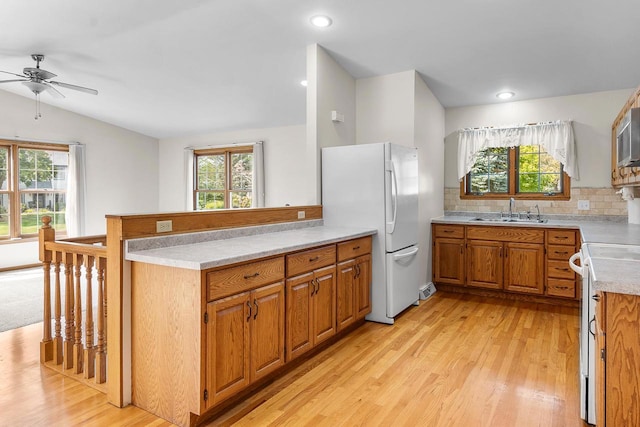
(524, 268)
(346, 293)
(448, 261)
(267, 330)
(363, 286)
(484, 264)
(324, 304)
(227, 347)
(299, 329)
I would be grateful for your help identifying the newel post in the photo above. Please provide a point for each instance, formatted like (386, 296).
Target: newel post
(46, 234)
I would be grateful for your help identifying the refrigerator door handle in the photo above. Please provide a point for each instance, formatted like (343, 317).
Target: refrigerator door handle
(407, 255)
(394, 198)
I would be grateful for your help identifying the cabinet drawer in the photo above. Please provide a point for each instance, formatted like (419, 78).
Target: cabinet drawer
(506, 234)
(561, 237)
(560, 252)
(561, 288)
(302, 262)
(243, 277)
(354, 248)
(450, 231)
(560, 270)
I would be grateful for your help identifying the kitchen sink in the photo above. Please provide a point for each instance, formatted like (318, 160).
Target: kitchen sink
(520, 220)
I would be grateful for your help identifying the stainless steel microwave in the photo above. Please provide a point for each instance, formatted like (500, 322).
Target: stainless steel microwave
(628, 139)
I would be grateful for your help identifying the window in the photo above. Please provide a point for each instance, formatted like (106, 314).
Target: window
(33, 183)
(524, 172)
(223, 178)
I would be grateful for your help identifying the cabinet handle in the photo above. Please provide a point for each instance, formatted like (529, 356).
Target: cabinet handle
(596, 297)
(313, 283)
(355, 248)
(500, 254)
(562, 269)
(561, 253)
(251, 276)
(315, 258)
(448, 231)
(562, 287)
(561, 237)
(357, 269)
(249, 305)
(317, 286)
(255, 302)
(591, 323)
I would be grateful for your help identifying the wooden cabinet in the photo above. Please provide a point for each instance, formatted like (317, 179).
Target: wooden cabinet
(201, 338)
(506, 258)
(310, 300)
(245, 340)
(353, 288)
(515, 259)
(561, 280)
(617, 362)
(448, 254)
(485, 264)
(524, 268)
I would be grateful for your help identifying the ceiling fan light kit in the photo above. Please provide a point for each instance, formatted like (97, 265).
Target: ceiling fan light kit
(39, 80)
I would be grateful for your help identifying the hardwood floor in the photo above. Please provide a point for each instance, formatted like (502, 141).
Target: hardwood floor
(456, 360)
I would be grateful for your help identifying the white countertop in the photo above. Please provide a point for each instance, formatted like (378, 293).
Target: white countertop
(227, 249)
(612, 273)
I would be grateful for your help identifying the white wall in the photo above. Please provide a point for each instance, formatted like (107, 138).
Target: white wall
(122, 166)
(401, 109)
(329, 88)
(385, 109)
(284, 151)
(592, 115)
(429, 118)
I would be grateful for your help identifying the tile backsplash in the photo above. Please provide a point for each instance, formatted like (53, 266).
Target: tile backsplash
(602, 201)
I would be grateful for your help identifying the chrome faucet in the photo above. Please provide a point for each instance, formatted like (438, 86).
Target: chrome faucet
(512, 206)
(538, 219)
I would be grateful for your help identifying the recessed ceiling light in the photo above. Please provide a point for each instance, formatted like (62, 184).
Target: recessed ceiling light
(303, 83)
(505, 95)
(321, 21)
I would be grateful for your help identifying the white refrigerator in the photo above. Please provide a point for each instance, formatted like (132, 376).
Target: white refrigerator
(376, 186)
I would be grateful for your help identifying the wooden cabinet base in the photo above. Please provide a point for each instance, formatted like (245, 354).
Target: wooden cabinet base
(508, 295)
(248, 399)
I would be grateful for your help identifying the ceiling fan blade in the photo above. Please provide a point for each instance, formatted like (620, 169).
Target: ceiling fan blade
(15, 80)
(53, 91)
(13, 74)
(75, 87)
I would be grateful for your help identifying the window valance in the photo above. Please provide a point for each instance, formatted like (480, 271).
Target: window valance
(555, 137)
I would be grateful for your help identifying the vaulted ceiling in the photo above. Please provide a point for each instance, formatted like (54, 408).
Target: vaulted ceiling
(169, 68)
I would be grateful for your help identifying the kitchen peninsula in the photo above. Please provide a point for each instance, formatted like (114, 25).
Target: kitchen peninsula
(215, 314)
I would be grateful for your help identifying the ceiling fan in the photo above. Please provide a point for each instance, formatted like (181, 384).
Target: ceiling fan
(39, 80)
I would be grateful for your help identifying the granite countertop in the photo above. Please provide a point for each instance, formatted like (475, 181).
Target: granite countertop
(200, 251)
(610, 274)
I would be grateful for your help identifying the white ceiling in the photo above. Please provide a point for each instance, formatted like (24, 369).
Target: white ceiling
(168, 68)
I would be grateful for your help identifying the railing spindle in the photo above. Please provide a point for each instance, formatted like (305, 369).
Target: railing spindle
(78, 349)
(68, 311)
(57, 339)
(89, 350)
(101, 366)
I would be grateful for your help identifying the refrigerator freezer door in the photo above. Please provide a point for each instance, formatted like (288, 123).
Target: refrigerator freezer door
(401, 196)
(403, 277)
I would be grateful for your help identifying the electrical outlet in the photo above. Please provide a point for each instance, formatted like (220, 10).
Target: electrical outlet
(164, 226)
(301, 215)
(583, 205)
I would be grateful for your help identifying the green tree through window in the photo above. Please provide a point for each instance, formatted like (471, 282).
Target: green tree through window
(526, 171)
(224, 179)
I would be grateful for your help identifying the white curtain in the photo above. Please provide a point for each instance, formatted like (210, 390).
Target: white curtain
(257, 201)
(189, 177)
(75, 212)
(555, 137)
